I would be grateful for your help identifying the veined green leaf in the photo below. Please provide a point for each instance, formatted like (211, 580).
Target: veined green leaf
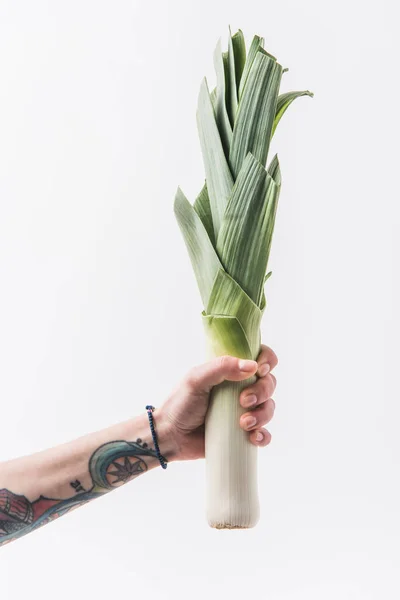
(202, 207)
(232, 98)
(256, 44)
(204, 258)
(270, 220)
(257, 108)
(221, 113)
(284, 101)
(274, 170)
(239, 53)
(225, 61)
(263, 302)
(228, 298)
(264, 51)
(218, 174)
(244, 239)
(226, 336)
(213, 98)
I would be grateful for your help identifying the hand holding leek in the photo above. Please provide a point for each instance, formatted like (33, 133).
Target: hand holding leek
(183, 414)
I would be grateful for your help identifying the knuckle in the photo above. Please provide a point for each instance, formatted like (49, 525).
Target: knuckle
(270, 409)
(270, 354)
(224, 362)
(266, 412)
(267, 386)
(191, 380)
(271, 384)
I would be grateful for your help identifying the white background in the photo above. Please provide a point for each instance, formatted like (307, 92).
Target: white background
(99, 311)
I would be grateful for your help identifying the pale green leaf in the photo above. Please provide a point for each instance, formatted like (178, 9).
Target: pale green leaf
(202, 254)
(226, 336)
(213, 98)
(271, 212)
(284, 101)
(202, 207)
(218, 175)
(263, 302)
(244, 241)
(232, 98)
(228, 298)
(264, 51)
(268, 275)
(225, 61)
(274, 170)
(239, 53)
(221, 113)
(257, 108)
(256, 44)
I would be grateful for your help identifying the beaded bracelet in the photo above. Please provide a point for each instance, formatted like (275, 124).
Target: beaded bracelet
(163, 461)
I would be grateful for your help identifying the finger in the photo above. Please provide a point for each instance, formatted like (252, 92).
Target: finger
(260, 416)
(267, 360)
(217, 370)
(260, 437)
(259, 392)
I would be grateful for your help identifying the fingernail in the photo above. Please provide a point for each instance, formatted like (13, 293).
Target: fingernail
(250, 422)
(259, 436)
(246, 365)
(250, 400)
(263, 369)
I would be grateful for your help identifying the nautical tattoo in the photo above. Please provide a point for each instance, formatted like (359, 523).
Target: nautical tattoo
(110, 466)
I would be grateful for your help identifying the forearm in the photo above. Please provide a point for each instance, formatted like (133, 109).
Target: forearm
(38, 488)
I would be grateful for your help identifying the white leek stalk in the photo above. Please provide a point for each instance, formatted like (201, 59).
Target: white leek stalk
(228, 234)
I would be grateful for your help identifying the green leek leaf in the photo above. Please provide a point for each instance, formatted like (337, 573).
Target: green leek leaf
(243, 241)
(263, 50)
(228, 298)
(274, 170)
(284, 101)
(232, 98)
(257, 108)
(202, 207)
(221, 113)
(239, 53)
(225, 60)
(205, 261)
(256, 44)
(226, 336)
(213, 98)
(218, 174)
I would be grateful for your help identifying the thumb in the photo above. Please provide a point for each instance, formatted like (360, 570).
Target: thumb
(217, 370)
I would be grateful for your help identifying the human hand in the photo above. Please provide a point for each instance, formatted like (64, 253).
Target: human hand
(184, 412)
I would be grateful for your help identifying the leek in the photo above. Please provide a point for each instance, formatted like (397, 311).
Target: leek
(228, 232)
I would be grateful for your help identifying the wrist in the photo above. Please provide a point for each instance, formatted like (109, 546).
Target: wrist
(166, 437)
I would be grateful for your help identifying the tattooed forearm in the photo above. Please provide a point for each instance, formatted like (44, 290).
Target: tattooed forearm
(110, 466)
(78, 487)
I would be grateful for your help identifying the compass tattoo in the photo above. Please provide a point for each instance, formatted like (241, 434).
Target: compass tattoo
(126, 468)
(110, 466)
